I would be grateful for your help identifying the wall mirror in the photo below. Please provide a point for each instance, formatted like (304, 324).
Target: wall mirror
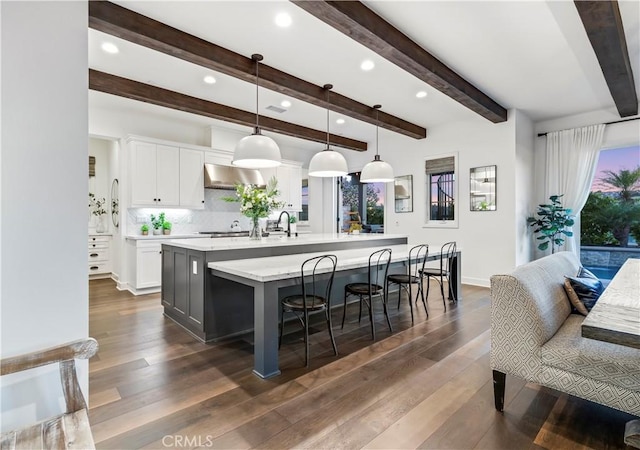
(482, 188)
(115, 203)
(403, 193)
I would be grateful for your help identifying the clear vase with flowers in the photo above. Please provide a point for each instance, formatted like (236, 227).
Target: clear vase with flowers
(256, 203)
(96, 206)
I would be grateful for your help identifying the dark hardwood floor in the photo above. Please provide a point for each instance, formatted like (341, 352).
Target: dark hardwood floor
(429, 385)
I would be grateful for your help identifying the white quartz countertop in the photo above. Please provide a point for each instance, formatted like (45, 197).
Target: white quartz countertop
(273, 268)
(213, 244)
(150, 237)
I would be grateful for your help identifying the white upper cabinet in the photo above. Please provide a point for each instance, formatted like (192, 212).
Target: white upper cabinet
(155, 175)
(289, 178)
(191, 178)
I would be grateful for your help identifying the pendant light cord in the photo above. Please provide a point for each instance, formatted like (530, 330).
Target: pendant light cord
(377, 108)
(257, 95)
(257, 58)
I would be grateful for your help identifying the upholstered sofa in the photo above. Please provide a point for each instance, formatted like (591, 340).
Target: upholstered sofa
(535, 336)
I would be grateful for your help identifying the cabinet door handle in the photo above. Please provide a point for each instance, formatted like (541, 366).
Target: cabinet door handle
(160, 252)
(93, 255)
(94, 267)
(202, 201)
(159, 200)
(93, 245)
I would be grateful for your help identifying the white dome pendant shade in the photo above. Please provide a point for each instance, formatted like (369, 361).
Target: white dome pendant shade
(328, 163)
(257, 151)
(377, 171)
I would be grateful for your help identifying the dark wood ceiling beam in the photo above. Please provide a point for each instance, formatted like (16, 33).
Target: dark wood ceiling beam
(603, 24)
(124, 87)
(364, 26)
(131, 26)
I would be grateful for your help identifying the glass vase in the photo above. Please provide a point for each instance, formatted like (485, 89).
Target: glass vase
(254, 233)
(101, 225)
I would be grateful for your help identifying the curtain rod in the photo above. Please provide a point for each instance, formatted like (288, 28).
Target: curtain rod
(607, 123)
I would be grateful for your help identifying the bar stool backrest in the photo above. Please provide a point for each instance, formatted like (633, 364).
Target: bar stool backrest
(378, 268)
(417, 258)
(317, 279)
(447, 254)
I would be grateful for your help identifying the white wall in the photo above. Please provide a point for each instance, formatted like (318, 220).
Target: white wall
(44, 297)
(524, 186)
(488, 239)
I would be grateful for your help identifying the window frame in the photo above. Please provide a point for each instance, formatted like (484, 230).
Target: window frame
(428, 222)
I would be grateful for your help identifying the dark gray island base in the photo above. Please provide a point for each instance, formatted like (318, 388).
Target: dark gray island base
(212, 308)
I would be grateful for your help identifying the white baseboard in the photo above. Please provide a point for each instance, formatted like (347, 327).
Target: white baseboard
(476, 281)
(143, 291)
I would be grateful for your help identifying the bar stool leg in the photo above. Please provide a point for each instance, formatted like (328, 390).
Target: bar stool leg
(281, 327)
(330, 326)
(344, 310)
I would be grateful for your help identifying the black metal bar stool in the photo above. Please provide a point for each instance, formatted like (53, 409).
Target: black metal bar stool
(415, 266)
(447, 254)
(378, 269)
(317, 279)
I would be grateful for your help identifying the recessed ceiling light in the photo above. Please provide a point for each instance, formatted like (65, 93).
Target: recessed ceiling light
(210, 79)
(285, 103)
(110, 48)
(283, 20)
(421, 94)
(367, 65)
(340, 121)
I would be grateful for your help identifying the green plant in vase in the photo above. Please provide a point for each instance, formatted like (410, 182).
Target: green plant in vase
(157, 222)
(144, 229)
(552, 224)
(256, 203)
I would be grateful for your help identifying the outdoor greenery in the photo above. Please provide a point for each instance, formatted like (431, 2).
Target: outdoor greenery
(552, 223)
(610, 218)
(375, 212)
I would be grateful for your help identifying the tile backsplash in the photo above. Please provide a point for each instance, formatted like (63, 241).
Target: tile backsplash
(218, 215)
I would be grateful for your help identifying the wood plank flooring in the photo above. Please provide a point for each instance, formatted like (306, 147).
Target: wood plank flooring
(429, 385)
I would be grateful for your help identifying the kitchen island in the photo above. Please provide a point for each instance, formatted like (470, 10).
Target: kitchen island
(211, 307)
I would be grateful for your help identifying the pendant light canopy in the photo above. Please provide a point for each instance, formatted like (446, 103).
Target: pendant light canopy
(328, 163)
(377, 171)
(257, 151)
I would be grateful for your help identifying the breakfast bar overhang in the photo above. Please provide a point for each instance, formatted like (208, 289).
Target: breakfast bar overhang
(217, 290)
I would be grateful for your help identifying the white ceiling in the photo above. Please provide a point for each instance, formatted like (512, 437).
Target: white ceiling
(533, 56)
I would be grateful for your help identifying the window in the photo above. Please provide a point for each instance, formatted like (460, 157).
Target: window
(610, 220)
(303, 216)
(441, 186)
(363, 204)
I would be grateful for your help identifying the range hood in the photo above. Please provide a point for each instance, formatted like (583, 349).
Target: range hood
(217, 176)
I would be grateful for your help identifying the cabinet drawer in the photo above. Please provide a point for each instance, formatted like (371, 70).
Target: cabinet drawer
(94, 239)
(98, 245)
(99, 267)
(99, 255)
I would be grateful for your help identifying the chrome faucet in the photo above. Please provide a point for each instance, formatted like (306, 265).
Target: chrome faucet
(288, 222)
(235, 225)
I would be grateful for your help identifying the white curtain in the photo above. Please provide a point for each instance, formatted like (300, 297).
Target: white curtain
(571, 159)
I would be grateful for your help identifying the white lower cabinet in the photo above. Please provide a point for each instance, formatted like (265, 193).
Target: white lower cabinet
(99, 256)
(148, 264)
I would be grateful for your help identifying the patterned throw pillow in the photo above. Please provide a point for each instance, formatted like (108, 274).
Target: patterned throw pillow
(583, 291)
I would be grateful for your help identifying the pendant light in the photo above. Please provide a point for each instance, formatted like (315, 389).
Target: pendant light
(257, 151)
(328, 163)
(377, 171)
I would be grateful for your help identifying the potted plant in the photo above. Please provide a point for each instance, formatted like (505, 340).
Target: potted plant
(144, 229)
(166, 227)
(293, 220)
(552, 223)
(157, 222)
